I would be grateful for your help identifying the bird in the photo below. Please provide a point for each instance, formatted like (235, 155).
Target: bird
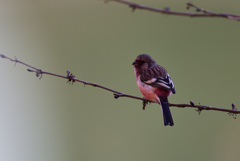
(154, 83)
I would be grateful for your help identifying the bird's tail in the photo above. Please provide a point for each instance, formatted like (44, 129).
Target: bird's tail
(167, 116)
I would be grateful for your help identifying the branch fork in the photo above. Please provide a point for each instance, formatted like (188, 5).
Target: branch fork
(204, 13)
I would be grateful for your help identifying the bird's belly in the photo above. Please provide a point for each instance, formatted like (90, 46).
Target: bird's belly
(148, 91)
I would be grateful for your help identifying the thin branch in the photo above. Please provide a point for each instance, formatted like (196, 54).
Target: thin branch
(204, 13)
(71, 79)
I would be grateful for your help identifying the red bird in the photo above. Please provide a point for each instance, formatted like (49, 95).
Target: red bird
(154, 83)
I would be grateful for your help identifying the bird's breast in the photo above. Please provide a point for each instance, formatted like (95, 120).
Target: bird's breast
(147, 91)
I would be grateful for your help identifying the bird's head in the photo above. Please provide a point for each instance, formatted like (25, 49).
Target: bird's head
(143, 62)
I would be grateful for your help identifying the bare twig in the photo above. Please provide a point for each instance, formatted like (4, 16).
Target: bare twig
(167, 10)
(201, 107)
(71, 78)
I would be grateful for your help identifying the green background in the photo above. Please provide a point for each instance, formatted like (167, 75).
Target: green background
(50, 120)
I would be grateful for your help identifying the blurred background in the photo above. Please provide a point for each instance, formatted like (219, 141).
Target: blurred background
(50, 120)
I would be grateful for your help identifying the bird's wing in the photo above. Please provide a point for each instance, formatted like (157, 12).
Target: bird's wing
(161, 82)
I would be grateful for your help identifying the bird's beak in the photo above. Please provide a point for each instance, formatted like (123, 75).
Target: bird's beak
(135, 63)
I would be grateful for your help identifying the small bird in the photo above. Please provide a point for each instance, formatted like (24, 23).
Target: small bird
(154, 83)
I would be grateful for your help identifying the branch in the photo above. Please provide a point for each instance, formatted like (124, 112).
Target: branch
(204, 13)
(71, 79)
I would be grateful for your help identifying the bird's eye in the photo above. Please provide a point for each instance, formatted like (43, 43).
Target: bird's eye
(142, 62)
